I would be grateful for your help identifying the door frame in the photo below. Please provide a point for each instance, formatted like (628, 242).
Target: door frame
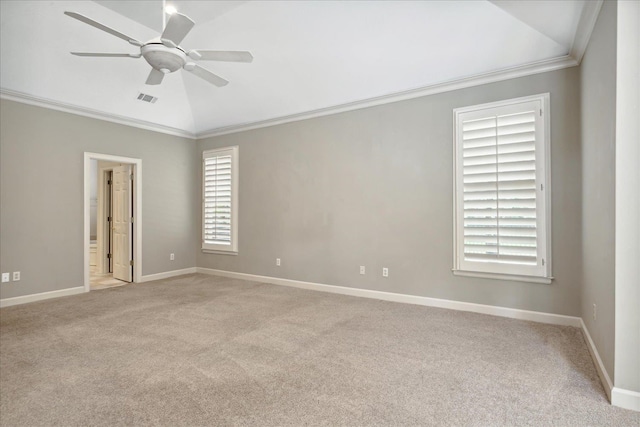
(103, 228)
(137, 211)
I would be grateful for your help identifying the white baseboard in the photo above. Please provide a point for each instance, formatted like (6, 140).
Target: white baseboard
(602, 372)
(513, 313)
(625, 398)
(7, 302)
(167, 274)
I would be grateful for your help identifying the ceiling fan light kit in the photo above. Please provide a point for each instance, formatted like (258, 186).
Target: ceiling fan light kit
(162, 58)
(164, 53)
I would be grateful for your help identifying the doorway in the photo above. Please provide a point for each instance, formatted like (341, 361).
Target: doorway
(111, 251)
(112, 229)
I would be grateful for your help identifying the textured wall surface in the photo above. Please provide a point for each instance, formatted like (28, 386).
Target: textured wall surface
(41, 195)
(373, 187)
(598, 130)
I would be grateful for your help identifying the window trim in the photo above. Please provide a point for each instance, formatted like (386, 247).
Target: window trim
(498, 270)
(231, 249)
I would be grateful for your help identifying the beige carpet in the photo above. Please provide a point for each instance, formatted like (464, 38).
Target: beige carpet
(203, 350)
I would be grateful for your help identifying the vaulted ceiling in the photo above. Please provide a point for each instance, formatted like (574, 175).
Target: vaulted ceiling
(309, 56)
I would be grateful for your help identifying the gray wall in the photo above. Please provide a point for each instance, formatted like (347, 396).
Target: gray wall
(41, 195)
(373, 187)
(598, 104)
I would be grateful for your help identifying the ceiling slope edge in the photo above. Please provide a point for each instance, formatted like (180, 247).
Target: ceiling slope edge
(481, 79)
(25, 98)
(528, 24)
(586, 24)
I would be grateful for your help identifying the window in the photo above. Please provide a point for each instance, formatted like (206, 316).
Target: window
(220, 200)
(502, 225)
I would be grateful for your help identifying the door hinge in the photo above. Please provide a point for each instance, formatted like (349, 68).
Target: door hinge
(131, 220)
(109, 182)
(131, 177)
(108, 256)
(541, 112)
(542, 261)
(131, 262)
(541, 187)
(108, 219)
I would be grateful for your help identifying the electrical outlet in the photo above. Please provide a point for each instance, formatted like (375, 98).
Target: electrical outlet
(385, 272)
(16, 276)
(595, 312)
(278, 262)
(5, 277)
(172, 257)
(362, 269)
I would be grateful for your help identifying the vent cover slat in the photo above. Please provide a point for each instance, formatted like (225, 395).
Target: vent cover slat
(147, 98)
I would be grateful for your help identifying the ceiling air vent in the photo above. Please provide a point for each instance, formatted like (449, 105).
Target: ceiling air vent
(147, 98)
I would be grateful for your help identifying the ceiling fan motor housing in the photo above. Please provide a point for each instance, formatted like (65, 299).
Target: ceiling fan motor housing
(163, 58)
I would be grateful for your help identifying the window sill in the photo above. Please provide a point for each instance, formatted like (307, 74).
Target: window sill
(217, 252)
(502, 276)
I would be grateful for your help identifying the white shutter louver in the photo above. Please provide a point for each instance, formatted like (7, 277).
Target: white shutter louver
(501, 209)
(499, 192)
(219, 200)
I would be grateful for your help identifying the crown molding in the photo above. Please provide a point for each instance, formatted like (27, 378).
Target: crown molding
(25, 98)
(587, 22)
(481, 79)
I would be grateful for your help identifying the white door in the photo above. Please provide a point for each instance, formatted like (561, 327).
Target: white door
(122, 223)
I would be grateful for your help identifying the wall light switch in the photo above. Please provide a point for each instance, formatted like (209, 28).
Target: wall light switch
(5, 277)
(385, 272)
(16, 276)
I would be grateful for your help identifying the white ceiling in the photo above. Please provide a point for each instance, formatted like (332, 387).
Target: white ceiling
(309, 55)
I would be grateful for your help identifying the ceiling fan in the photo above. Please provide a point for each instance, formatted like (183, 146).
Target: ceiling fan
(164, 54)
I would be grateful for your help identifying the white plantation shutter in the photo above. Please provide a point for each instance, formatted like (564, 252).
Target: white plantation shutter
(500, 198)
(217, 200)
(219, 214)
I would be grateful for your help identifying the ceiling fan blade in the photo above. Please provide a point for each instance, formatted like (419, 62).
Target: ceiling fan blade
(224, 55)
(208, 76)
(108, 55)
(177, 28)
(155, 77)
(103, 28)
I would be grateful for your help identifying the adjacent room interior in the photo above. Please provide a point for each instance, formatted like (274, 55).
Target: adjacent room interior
(318, 212)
